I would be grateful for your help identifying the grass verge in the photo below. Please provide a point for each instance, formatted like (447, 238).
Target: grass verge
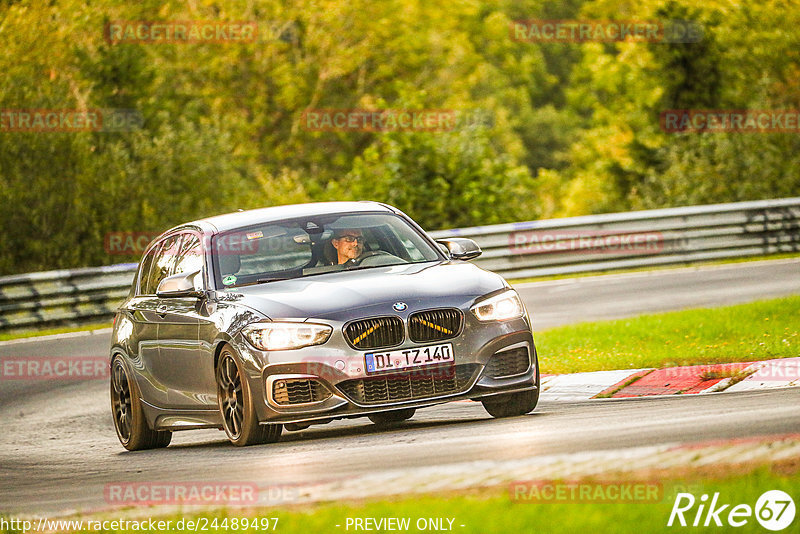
(755, 331)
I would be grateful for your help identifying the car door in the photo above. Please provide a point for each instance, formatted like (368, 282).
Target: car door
(188, 371)
(144, 310)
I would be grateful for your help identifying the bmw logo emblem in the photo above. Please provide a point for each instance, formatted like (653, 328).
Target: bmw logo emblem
(399, 306)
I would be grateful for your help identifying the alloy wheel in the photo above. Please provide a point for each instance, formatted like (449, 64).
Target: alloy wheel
(121, 401)
(229, 392)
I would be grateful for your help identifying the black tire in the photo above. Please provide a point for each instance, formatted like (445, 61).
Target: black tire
(515, 404)
(239, 419)
(395, 416)
(512, 404)
(126, 408)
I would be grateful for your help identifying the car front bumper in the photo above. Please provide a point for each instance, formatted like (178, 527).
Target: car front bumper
(341, 370)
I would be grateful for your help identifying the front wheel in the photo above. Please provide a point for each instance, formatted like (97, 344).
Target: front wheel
(512, 404)
(239, 418)
(126, 407)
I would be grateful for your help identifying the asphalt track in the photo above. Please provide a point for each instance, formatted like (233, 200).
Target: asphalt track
(58, 450)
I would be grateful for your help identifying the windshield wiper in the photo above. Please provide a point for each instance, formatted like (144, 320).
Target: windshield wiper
(259, 281)
(274, 279)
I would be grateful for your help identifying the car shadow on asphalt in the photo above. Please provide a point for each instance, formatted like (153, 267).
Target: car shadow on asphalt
(346, 429)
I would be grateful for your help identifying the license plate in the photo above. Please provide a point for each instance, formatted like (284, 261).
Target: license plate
(405, 358)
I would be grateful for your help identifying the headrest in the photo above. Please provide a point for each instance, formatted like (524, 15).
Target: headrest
(330, 254)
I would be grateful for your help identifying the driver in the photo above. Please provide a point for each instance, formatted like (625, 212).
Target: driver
(349, 245)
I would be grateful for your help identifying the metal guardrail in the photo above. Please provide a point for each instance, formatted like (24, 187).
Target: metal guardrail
(35, 300)
(637, 239)
(516, 250)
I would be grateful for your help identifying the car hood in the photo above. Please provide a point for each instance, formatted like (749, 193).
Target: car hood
(343, 296)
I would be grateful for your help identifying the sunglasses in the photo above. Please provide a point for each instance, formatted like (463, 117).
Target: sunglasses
(352, 238)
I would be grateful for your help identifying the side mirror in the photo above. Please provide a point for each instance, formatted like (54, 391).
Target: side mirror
(461, 248)
(180, 285)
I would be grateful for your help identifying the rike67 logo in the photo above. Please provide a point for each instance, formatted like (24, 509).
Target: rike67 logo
(774, 510)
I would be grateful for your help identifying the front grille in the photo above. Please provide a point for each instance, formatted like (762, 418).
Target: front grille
(434, 325)
(375, 333)
(298, 391)
(508, 363)
(419, 384)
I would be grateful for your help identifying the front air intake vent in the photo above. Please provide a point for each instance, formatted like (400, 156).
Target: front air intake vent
(418, 384)
(434, 325)
(289, 391)
(508, 363)
(376, 333)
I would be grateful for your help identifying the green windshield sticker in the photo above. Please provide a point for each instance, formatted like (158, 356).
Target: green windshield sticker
(230, 279)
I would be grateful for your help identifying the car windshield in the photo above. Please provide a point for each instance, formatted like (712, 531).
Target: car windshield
(308, 246)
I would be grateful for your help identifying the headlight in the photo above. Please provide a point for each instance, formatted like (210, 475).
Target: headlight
(286, 336)
(501, 307)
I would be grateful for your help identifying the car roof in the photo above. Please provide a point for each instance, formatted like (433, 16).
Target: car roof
(238, 219)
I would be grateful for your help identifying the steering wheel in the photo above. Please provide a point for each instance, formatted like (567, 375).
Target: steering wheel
(379, 256)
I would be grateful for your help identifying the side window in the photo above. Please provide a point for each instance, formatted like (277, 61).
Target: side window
(144, 270)
(190, 257)
(162, 264)
(279, 249)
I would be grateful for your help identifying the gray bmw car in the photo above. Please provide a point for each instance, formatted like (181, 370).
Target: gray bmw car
(297, 315)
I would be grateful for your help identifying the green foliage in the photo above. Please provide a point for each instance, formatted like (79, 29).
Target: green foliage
(621, 160)
(453, 179)
(574, 127)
